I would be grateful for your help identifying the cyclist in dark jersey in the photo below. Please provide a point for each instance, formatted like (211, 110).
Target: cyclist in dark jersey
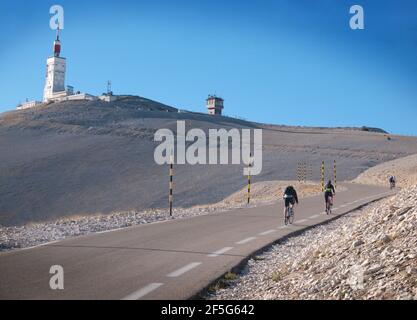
(290, 197)
(329, 192)
(392, 182)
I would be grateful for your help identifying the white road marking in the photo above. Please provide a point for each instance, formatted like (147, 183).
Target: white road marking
(40, 245)
(219, 252)
(246, 240)
(143, 292)
(183, 270)
(301, 221)
(343, 205)
(315, 216)
(267, 232)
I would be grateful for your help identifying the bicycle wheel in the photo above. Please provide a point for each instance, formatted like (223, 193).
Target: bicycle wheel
(286, 216)
(291, 216)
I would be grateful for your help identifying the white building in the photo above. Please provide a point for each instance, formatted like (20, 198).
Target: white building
(215, 105)
(55, 74)
(28, 104)
(77, 96)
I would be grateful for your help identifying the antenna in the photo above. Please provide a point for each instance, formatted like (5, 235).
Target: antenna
(57, 32)
(57, 44)
(109, 92)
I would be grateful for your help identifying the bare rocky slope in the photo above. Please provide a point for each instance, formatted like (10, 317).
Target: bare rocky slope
(88, 158)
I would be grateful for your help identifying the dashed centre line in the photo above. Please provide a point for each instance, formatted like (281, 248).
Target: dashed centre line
(267, 232)
(246, 240)
(183, 270)
(143, 291)
(219, 252)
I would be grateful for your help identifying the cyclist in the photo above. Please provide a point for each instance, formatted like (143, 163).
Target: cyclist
(392, 182)
(329, 192)
(290, 197)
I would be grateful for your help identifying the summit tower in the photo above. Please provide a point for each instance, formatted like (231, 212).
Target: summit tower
(55, 73)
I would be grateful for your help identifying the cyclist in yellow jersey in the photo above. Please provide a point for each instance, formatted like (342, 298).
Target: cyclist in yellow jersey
(329, 192)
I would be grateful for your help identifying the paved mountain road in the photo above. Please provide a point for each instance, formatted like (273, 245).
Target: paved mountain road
(167, 260)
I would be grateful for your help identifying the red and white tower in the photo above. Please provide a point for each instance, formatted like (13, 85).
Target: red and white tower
(57, 44)
(55, 73)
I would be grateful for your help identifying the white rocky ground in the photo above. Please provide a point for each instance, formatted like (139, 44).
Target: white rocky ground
(39, 233)
(368, 254)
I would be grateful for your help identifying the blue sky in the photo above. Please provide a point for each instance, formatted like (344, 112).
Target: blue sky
(293, 62)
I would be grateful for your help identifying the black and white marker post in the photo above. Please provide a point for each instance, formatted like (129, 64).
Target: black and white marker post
(171, 178)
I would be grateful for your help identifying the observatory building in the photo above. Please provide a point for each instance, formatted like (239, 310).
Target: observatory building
(214, 105)
(55, 74)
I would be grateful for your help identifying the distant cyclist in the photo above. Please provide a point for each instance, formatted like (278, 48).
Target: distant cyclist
(329, 192)
(392, 182)
(290, 198)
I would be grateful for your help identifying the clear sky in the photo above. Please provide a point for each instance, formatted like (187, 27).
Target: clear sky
(294, 62)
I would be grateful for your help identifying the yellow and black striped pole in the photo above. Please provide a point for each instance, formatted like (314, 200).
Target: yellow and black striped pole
(335, 174)
(171, 184)
(322, 175)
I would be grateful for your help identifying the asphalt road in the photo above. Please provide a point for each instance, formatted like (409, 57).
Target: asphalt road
(167, 260)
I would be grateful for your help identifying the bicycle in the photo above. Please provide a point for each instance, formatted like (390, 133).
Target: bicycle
(329, 205)
(289, 215)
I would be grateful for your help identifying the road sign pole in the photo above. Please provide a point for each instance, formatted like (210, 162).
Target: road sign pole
(171, 184)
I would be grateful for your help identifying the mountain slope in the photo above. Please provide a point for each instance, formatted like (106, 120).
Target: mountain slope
(75, 158)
